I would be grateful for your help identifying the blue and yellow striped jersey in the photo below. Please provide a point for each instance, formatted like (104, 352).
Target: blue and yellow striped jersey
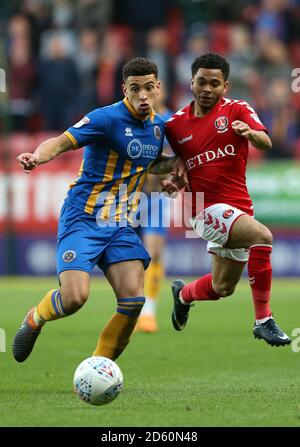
(119, 147)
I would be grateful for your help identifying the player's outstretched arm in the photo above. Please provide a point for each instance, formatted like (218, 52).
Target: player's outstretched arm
(258, 138)
(45, 152)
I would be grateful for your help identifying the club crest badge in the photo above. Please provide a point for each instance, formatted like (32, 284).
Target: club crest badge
(228, 213)
(157, 132)
(69, 256)
(221, 124)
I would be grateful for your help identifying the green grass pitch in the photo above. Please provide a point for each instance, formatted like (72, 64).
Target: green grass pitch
(214, 373)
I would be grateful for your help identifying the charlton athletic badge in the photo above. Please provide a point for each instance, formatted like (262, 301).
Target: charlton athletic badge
(228, 213)
(221, 124)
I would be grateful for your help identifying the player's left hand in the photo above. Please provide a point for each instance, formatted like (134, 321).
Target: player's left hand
(242, 128)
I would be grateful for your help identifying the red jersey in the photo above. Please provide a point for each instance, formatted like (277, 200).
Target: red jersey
(215, 156)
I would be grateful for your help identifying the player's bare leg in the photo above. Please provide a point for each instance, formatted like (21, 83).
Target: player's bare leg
(226, 274)
(127, 281)
(57, 303)
(249, 233)
(75, 289)
(246, 232)
(154, 244)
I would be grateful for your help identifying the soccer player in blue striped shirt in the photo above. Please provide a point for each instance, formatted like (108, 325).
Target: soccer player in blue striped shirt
(122, 142)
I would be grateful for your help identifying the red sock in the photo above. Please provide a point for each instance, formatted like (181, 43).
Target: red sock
(260, 278)
(201, 289)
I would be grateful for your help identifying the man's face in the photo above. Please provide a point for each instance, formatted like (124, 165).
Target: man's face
(208, 86)
(142, 93)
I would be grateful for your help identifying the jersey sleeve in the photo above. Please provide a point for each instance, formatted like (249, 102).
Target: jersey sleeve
(173, 148)
(92, 128)
(167, 148)
(247, 114)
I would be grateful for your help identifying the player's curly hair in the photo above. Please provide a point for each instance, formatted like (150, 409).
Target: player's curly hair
(139, 67)
(211, 60)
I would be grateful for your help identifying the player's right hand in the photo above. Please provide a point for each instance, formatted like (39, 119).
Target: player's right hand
(179, 171)
(27, 161)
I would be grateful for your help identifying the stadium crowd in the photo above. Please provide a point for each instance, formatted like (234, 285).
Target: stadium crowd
(64, 57)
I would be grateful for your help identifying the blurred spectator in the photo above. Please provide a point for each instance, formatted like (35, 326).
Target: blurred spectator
(141, 17)
(157, 51)
(59, 86)
(66, 36)
(294, 21)
(272, 58)
(272, 19)
(241, 57)
(79, 47)
(116, 49)
(22, 71)
(22, 83)
(38, 14)
(195, 45)
(19, 28)
(280, 118)
(196, 11)
(62, 13)
(94, 14)
(207, 11)
(87, 60)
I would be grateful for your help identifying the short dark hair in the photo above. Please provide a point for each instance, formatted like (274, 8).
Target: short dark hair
(211, 60)
(139, 67)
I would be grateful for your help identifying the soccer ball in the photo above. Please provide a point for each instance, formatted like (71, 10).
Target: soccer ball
(98, 380)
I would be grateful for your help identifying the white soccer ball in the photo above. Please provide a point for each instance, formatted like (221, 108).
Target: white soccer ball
(98, 380)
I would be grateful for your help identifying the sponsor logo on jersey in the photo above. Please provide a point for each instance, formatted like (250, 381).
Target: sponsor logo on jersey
(136, 149)
(228, 213)
(157, 132)
(69, 256)
(128, 132)
(221, 123)
(82, 122)
(184, 140)
(206, 157)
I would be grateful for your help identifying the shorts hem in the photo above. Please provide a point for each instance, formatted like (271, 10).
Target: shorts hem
(76, 269)
(226, 257)
(145, 261)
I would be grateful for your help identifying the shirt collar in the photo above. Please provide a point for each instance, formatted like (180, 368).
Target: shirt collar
(214, 109)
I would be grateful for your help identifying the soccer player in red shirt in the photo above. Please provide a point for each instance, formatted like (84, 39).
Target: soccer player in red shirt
(212, 135)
